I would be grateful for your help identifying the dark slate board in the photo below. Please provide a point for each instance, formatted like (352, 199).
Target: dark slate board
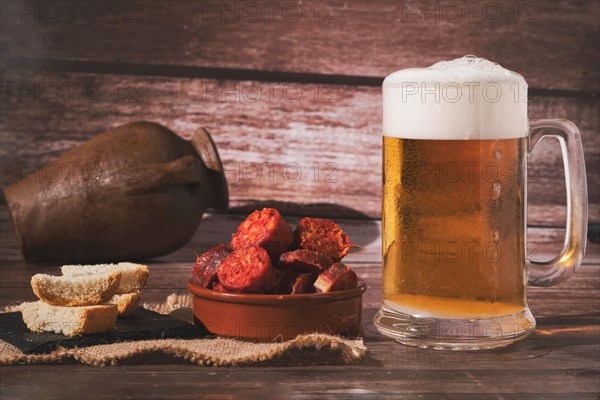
(141, 325)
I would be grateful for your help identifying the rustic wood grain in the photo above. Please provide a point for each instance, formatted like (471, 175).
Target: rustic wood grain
(571, 300)
(544, 243)
(558, 361)
(139, 62)
(566, 312)
(552, 44)
(172, 278)
(559, 358)
(321, 151)
(341, 382)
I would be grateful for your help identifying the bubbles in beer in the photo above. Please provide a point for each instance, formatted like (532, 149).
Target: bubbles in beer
(495, 236)
(447, 239)
(470, 61)
(454, 241)
(496, 190)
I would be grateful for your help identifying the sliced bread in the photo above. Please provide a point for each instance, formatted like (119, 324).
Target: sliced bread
(70, 321)
(133, 276)
(126, 303)
(74, 291)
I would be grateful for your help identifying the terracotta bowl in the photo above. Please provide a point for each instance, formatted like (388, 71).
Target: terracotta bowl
(268, 317)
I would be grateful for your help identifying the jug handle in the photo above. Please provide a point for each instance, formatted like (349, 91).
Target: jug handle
(217, 198)
(153, 177)
(207, 172)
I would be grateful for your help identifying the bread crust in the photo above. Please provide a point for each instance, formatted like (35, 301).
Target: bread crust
(133, 276)
(126, 303)
(75, 291)
(69, 321)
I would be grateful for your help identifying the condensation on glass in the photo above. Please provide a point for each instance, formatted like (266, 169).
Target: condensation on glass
(455, 144)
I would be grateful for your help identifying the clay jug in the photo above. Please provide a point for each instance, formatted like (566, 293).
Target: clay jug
(133, 192)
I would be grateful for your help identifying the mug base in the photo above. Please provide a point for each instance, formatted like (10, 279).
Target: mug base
(454, 333)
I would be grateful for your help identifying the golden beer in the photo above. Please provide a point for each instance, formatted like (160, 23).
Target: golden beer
(455, 143)
(453, 226)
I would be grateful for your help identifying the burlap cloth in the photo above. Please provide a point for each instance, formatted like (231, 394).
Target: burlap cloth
(216, 352)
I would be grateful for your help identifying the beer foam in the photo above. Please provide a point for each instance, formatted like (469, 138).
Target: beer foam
(464, 99)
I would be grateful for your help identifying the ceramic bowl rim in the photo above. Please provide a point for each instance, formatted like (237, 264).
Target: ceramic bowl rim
(276, 299)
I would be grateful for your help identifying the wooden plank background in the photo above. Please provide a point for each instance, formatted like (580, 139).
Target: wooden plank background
(294, 86)
(284, 93)
(552, 43)
(306, 152)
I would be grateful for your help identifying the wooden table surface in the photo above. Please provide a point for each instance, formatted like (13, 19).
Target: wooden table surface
(561, 360)
(302, 93)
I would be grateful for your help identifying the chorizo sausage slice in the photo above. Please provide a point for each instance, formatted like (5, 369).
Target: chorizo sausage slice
(323, 236)
(204, 273)
(267, 229)
(247, 270)
(304, 260)
(296, 283)
(217, 287)
(337, 277)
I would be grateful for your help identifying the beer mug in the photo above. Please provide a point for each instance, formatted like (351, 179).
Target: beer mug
(455, 144)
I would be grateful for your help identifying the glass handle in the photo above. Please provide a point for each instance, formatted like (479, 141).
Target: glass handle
(559, 269)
